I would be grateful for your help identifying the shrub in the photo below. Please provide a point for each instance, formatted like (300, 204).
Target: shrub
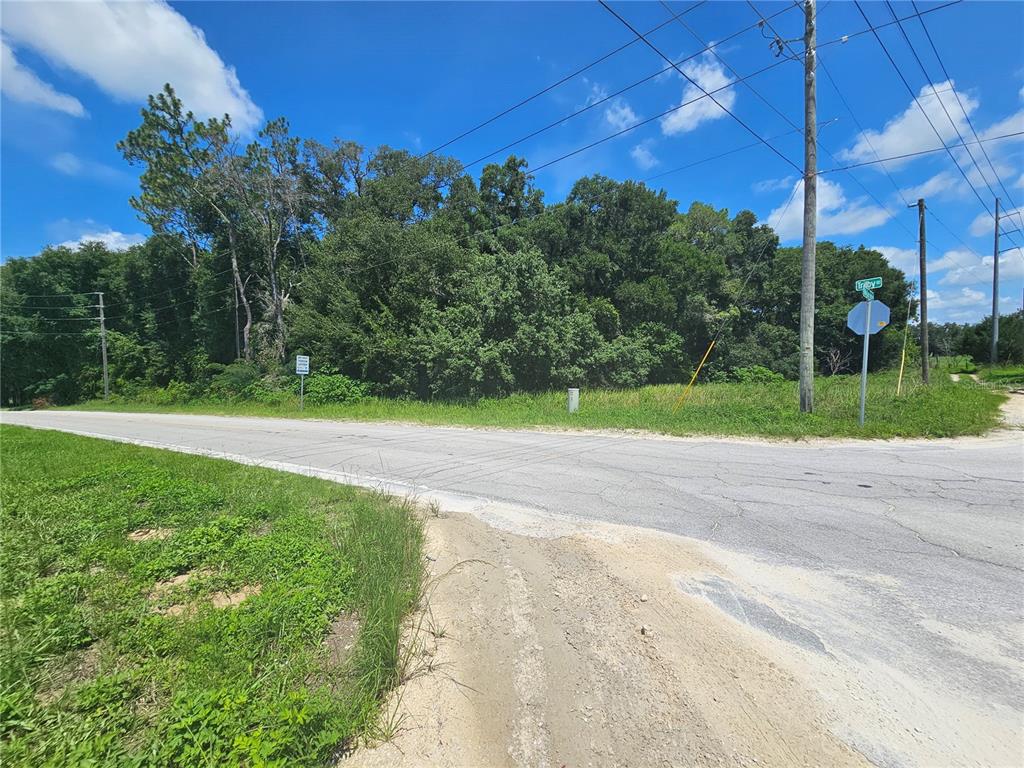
(233, 381)
(175, 393)
(265, 392)
(757, 374)
(324, 389)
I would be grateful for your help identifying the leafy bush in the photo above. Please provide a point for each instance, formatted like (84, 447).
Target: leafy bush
(175, 393)
(757, 374)
(234, 380)
(325, 389)
(265, 392)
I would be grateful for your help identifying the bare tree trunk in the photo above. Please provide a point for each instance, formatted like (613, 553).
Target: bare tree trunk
(277, 305)
(240, 287)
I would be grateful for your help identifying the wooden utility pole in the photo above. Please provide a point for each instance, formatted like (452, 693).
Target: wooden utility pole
(807, 276)
(103, 347)
(922, 244)
(995, 292)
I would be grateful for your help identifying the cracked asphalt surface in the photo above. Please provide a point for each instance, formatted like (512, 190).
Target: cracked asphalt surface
(901, 556)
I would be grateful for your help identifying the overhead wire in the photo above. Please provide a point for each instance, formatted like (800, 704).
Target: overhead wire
(818, 62)
(917, 101)
(591, 104)
(552, 86)
(952, 122)
(697, 85)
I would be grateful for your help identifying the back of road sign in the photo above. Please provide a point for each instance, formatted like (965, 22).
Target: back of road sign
(879, 317)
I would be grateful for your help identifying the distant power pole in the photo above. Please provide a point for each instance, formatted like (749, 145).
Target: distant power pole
(807, 277)
(922, 244)
(103, 347)
(995, 292)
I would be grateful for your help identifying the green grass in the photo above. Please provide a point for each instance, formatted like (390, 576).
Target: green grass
(102, 663)
(942, 410)
(1002, 374)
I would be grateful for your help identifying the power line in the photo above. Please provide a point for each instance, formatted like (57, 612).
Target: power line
(697, 85)
(924, 71)
(831, 154)
(553, 85)
(917, 101)
(967, 116)
(842, 39)
(651, 119)
(846, 104)
(55, 295)
(127, 314)
(920, 152)
(618, 93)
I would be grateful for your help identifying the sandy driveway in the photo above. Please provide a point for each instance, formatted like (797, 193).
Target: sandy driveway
(595, 644)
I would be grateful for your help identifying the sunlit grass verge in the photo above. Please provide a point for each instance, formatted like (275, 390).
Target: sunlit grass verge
(161, 609)
(1002, 375)
(943, 409)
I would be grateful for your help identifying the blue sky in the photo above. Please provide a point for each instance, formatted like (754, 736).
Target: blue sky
(416, 74)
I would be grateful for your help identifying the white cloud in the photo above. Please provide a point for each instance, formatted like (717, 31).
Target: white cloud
(910, 132)
(905, 259)
(942, 184)
(115, 241)
(643, 156)
(984, 222)
(772, 185)
(1012, 124)
(969, 269)
(965, 297)
(20, 84)
(130, 49)
(710, 75)
(836, 214)
(619, 115)
(72, 165)
(66, 163)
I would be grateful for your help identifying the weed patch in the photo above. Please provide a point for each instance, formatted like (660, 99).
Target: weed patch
(169, 610)
(759, 404)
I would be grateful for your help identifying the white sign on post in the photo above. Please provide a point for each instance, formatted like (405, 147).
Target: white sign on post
(302, 368)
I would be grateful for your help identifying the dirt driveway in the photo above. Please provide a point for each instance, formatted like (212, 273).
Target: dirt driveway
(577, 648)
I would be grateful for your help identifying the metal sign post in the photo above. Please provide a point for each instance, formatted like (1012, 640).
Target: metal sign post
(302, 368)
(864, 363)
(860, 320)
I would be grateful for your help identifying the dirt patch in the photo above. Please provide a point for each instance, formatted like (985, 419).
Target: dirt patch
(150, 534)
(231, 599)
(165, 587)
(341, 638)
(222, 599)
(80, 667)
(1013, 409)
(580, 650)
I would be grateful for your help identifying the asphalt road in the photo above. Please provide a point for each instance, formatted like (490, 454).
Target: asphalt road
(905, 558)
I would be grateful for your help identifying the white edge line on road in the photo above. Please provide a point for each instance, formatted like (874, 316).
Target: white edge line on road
(515, 518)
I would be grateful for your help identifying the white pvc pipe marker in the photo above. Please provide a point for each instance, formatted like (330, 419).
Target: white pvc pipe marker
(574, 400)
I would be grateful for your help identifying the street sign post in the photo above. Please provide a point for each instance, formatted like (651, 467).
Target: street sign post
(867, 318)
(302, 368)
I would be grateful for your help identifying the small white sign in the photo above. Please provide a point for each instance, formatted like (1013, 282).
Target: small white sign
(302, 364)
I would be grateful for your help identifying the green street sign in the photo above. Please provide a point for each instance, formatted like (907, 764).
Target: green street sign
(869, 283)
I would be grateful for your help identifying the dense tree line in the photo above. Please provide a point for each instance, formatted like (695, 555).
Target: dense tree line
(406, 273)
